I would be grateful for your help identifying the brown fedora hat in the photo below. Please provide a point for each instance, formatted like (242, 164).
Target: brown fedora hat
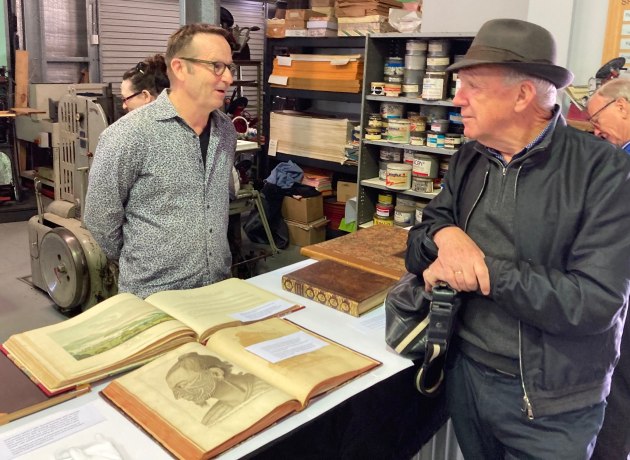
(522, 45)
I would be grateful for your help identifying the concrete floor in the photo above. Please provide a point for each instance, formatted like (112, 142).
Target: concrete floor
(24, 307)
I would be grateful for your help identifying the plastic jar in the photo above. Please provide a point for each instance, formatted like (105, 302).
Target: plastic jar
(398, 131)
(398, 176)
(434, 86)
(425, 165)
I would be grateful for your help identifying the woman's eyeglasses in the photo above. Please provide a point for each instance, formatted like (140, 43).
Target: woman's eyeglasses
(217, 67)
(126, 99)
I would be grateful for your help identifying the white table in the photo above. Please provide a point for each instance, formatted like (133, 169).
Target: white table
(326, 321)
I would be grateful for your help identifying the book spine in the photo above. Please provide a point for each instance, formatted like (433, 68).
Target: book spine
(321, 295)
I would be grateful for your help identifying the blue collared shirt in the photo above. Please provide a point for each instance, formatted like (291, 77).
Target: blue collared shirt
(529, 146)
(151, 203)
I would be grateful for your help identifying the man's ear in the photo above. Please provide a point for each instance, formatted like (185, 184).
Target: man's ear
(179, 68)
(526, 94)
(623, 106)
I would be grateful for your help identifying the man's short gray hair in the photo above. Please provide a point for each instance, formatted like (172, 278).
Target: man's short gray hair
(546, 92)
(614, 89)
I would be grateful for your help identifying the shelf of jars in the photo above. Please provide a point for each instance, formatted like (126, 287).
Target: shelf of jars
(417, 148)
(381, 184)
(410, 125)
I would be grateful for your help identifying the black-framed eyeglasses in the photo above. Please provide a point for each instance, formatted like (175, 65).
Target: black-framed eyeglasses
(218, 67)
(593, 118)
(126, 99)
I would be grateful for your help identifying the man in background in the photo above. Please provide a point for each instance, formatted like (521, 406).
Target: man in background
(158, 190)
(532, 229)
(609, 112)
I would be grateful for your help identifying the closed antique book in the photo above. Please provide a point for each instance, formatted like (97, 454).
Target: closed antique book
(342, 287)
(378, 249)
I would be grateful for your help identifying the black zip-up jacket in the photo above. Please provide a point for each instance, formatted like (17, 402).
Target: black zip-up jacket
(569, 283)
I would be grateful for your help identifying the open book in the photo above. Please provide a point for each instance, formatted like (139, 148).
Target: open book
(125, 331)
(199, 401)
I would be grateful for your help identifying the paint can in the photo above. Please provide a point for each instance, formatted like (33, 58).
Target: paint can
(378, 88)
(398, 130)
(390, 154)
(434, 86)
(391, 110)
(425, 166)
(398, 176)
(404, 216)
(386, 198)
(422, 185)
(435, 140)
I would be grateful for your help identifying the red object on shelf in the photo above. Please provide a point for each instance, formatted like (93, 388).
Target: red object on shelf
(334, 211)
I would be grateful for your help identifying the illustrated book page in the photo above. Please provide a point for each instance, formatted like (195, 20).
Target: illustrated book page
(199, 401)
(378, 249)
(345, 288)
(125, 331)
(212, 307)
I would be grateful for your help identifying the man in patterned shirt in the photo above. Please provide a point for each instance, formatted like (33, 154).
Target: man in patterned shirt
(157, 198)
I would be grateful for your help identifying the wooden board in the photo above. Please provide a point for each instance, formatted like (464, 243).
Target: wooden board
(21, 78)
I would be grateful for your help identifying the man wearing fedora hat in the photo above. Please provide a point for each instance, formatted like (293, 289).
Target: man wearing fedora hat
(531, 225)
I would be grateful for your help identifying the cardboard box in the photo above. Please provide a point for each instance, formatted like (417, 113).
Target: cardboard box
(301, 234)
(328, 11)
(296, 33)
(321, 24)
(356, 26)
(321, 32)
(346, 190)
(322, 3)
(303, 211)
(301, 15)
(275, 28)
(295, 24)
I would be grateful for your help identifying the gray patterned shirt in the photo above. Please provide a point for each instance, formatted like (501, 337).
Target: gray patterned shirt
(151, 203)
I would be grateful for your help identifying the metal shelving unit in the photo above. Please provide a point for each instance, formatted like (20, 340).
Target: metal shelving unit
(306, 45)
(377, 50)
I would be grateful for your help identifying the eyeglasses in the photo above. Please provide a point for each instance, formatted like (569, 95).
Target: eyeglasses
(126, 99)
(218, 67)
(594, 118)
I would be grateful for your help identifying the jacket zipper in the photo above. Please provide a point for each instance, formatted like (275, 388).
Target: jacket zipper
(527, 404)
(527, 407)
(485, 180)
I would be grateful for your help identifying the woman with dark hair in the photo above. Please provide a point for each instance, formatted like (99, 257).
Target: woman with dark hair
(144, 82)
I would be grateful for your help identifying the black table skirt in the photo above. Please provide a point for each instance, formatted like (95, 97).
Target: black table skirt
(389, 420)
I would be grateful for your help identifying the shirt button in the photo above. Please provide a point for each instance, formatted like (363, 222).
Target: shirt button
(207, 206)
(210, 230)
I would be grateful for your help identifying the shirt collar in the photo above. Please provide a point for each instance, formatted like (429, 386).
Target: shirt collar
(537, 140)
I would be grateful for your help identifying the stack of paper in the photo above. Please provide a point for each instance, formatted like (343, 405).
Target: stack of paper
(318, 72)
(320, 179)
(361, 8)
(309, 136)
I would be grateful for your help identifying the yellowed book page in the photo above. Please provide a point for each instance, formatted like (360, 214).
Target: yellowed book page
(302, 376)
(195, 394)
(94, 342)
(208, 308)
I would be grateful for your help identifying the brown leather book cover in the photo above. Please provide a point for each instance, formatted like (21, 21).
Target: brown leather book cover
(379, 249)
(20, 396)
(342, 287)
